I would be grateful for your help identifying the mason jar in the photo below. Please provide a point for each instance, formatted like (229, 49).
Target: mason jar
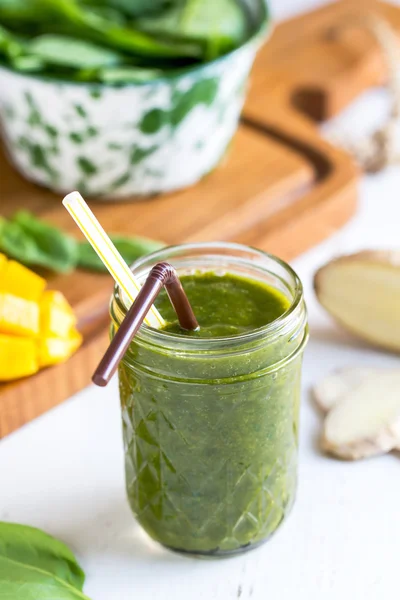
(210, 425)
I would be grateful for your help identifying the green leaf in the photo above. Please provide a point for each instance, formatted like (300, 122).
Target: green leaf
(127, 74)
(130, 248)
(81, 40)
(37, 243)
(28, 64)
(27, 17)
(220, 25)
(33, 547)
(17, 10)
(104, 10)
(60, 249)
(131, 8)
(16, 244)
(9, 44)
(24, 582)
(70, 52)
(90, 25)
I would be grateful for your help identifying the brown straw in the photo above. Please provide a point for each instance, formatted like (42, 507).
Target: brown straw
(163, 274)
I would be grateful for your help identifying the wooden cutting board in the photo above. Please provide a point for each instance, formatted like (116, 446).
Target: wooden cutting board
(280, 186)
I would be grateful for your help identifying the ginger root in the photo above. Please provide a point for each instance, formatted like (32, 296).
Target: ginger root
(365, 418)
(362, 291)
(330, 391)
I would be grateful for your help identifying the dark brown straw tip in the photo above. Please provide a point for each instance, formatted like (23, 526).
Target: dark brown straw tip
(99, 380)
(160, 275)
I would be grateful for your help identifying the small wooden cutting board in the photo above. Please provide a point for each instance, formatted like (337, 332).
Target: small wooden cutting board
(280, 187)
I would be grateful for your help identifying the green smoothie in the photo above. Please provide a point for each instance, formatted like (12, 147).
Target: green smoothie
(225, 305)
(210, 428)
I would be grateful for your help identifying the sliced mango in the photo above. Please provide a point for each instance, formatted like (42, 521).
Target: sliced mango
(37, 327)
(18, 316)
(56, 315)
(53, 350)
(3, 262)
(21, 281)
(18, 357)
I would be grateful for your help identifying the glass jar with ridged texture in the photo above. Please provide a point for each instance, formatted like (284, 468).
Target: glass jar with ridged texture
(210, 425)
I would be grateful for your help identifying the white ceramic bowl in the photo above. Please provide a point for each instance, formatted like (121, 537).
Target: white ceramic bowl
(137, 139)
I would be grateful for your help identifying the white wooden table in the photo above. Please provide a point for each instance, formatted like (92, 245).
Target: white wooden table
(64, 472)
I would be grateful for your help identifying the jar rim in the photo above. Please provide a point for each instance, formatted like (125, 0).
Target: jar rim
(173, 340)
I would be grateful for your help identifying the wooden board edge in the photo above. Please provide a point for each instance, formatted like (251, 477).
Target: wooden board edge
(322, 220)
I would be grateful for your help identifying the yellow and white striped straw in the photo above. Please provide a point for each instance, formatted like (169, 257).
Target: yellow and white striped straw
(101, 243)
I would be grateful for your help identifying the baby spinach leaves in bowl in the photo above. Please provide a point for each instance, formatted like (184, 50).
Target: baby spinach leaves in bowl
(85, 40)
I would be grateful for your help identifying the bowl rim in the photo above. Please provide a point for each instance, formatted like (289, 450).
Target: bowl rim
(260, 35)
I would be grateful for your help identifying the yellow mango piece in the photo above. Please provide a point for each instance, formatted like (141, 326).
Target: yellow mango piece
(53, 350)
(20, 281)
(18, 357)
(56, 315)
(3, 262)
(18, 316)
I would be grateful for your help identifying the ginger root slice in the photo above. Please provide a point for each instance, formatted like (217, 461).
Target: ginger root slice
(362, 291)
(330, 391)
(366, 421)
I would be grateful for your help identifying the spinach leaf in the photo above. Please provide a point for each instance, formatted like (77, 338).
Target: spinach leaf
(104, 10)
(127, 74)
(24, 582)
(81, 40)
(9, 45)
(29, 64)
(70, 52)
(56, 249)
(90, 25)
(130, 8)
(27, 17)
(18, 10)
(34, 242)
(130, 249)
(16, 244)
(219, 26)
(37, 243)
(33, 547)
